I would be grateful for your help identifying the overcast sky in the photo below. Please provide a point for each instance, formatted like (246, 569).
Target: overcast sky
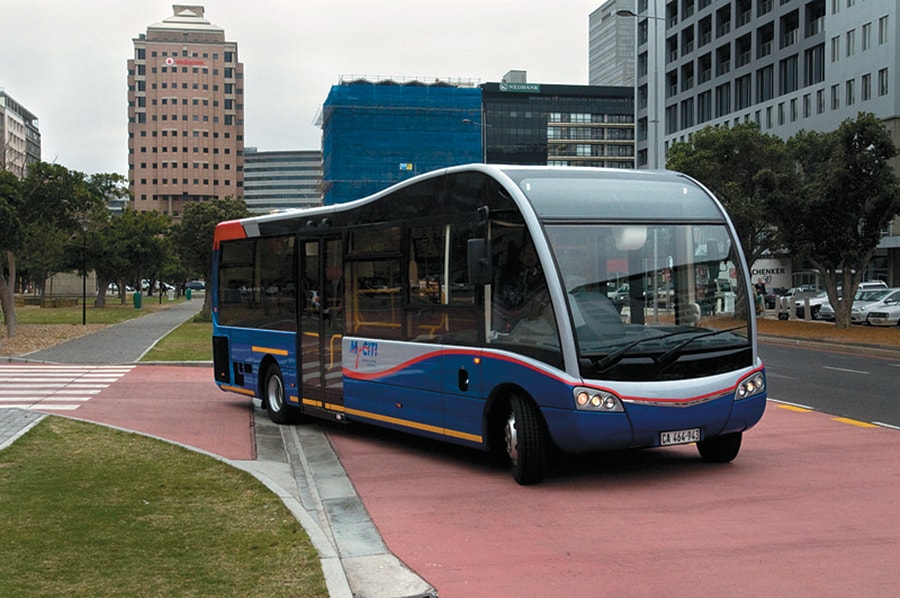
(65, 60)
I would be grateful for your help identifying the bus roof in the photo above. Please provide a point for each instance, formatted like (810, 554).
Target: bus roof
(555, 193)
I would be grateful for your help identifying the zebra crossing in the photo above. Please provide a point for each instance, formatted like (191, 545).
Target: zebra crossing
(55, 387)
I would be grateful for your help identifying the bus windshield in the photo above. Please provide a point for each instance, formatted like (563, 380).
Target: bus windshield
(653, 301)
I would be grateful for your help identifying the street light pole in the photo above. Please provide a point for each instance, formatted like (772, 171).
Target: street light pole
(481, 125)
(84, 277)
(654, 159)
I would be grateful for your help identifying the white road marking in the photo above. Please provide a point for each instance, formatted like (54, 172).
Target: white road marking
(54, 388)
(827, 367)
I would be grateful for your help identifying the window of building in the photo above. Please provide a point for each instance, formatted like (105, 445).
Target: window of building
(866, 87)
(704, 107)
(882, 82)
(789, 75)
(820, 101)
(742, 92)
(851, 92)
(780, 113)
(793, 108)
(835, 48)
(723, 100)
(851, 42)
(765, 84)
(814, 65)
(769, 117)
(882, 30)
(866, 36)
(687, 113)
(835, 97)
(807, 105)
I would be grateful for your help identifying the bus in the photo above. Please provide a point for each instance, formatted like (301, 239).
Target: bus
(525, 311)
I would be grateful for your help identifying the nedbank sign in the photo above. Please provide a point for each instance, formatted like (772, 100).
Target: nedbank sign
(521, 87)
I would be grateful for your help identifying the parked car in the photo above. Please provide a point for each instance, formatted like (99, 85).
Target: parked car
(881, 300)
(821, 307)
(888, 315)
(815, 305)
(863, 296)
(196, 285)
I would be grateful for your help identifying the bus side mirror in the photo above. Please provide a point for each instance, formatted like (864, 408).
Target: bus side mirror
(479, 261)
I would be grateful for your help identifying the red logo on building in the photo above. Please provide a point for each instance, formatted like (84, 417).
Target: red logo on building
(183, 62)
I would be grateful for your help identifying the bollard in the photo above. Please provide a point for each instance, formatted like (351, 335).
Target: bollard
(187, 294)
(137, 299)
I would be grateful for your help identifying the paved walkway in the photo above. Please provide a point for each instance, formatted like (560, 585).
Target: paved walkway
(297, 463)
(123, 343)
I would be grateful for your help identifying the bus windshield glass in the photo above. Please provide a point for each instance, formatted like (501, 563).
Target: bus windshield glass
(653, 301)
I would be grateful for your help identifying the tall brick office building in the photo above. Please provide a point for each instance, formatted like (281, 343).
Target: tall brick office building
(185, 114)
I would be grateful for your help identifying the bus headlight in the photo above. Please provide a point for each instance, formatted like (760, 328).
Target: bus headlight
(591, 399)
(753, 385)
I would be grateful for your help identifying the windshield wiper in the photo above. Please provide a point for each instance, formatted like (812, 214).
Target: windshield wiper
(671, 356)
(616, 356)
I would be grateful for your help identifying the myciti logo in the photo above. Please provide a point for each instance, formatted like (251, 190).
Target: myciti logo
(363, 349)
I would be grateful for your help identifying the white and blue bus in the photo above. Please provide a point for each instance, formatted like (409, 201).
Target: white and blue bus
(514, 309)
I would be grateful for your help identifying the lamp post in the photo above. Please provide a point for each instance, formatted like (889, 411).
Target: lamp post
(654, 159)
(84, 274)
(481, 125)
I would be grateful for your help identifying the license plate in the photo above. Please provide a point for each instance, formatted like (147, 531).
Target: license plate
(679, 437)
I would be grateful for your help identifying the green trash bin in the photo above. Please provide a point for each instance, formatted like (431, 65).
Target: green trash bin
(187, 294)
(137, 299)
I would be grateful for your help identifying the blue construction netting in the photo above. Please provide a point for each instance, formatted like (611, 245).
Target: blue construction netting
(377, 134)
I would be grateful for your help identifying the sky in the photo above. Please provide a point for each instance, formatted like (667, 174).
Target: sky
(65, 60)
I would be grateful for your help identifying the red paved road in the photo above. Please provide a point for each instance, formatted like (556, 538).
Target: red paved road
(177, 403)
(809, 508)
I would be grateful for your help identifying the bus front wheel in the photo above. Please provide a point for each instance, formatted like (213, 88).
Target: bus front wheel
(720, 449)
(275, 396)
(526, 441)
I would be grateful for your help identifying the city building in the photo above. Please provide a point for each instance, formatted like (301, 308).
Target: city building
(185, 114)
(377, 133)
(611, 45)
(787, 65)
(558, 125)
(280, 180)
(20, 136)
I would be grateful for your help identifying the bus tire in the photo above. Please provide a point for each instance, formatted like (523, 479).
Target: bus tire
(720, 449)
(525, 441)
(275, 397)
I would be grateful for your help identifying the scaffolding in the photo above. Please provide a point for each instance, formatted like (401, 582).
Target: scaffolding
(375, 134)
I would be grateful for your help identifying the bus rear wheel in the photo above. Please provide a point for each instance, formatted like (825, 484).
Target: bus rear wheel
(720, 449)
(273, 392)
(525, 441)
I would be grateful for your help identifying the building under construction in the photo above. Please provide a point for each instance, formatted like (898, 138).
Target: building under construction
(377, 133)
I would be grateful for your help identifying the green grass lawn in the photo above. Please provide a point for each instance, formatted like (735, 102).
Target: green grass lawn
(192, 341)
(113, 313)
(93, 511)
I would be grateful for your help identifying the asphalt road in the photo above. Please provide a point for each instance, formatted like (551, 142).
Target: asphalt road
(856, 386)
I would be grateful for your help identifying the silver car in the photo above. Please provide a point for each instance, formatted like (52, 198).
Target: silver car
(880, 300)
(888, 315)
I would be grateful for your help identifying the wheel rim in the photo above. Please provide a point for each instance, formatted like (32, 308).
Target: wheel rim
(511, 438)
(275, 394)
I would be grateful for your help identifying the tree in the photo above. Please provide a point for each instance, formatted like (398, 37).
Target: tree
(51, 203)
(847, 193)
(193, 237)
(11, 236)
(748, 172)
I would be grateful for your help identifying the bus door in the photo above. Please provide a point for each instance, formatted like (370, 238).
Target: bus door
(321, 324)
